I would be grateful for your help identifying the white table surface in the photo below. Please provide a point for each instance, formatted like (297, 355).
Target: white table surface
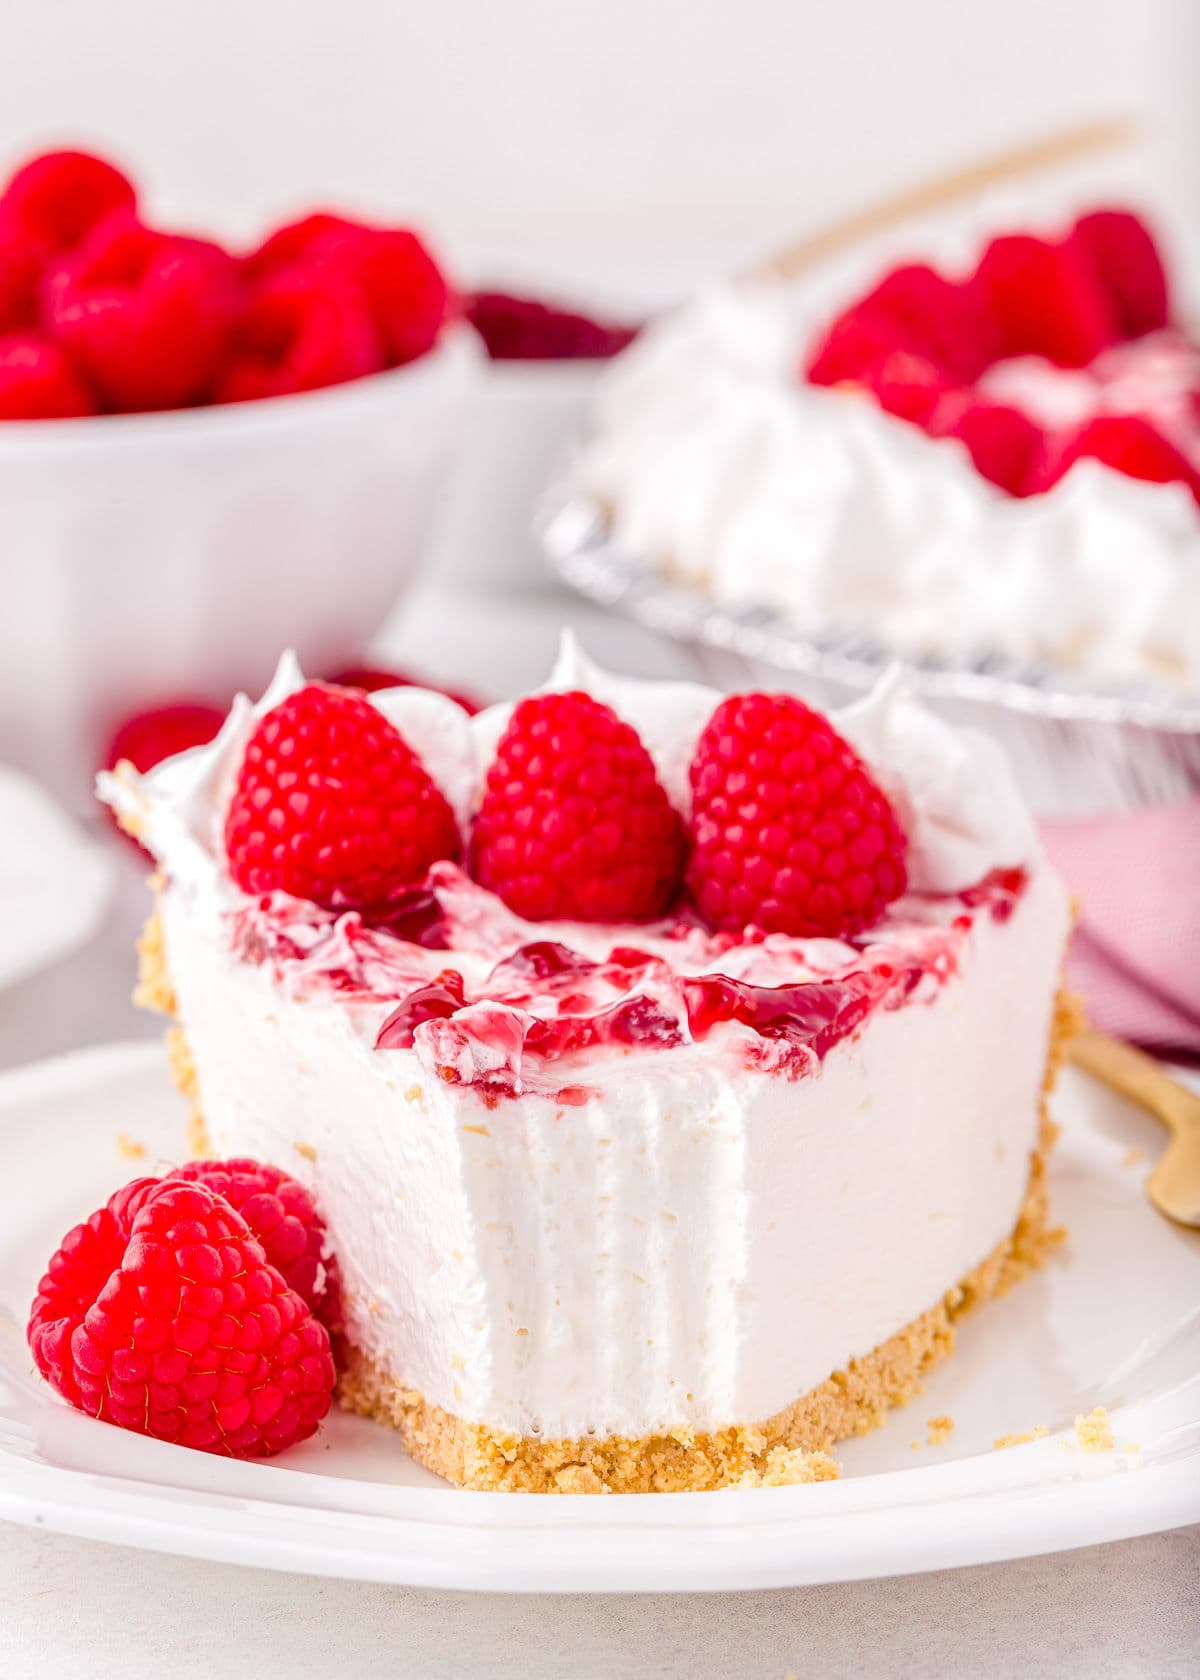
(66, 1605)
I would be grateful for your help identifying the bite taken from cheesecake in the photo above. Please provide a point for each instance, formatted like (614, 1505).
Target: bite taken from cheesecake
(670, 1069)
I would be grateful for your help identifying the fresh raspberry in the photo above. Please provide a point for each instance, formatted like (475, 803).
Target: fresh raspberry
(147, 314)
(38, 381)
(854, 345)
(527, 329)
(331, 804)
(61, 196)
(296, 242)
(1122, 251)
(162, 1314)
(574, 823)
(1046, 299)
(300, 331)
(283, 1217)
(405, 291)
(1005, 444)
(909, 386)
(790, 832)
(146, 738)
(938, 318)
(1128, 444)
(371, 678)
(914, 311)
(23, 259)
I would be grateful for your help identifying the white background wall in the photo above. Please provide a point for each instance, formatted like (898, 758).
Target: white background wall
(625, 146)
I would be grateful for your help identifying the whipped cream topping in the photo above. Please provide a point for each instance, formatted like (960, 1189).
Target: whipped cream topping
(719, 465)
(958, 802)
(486, 997)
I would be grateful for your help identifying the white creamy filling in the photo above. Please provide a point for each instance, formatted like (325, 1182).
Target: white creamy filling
(695, 1244)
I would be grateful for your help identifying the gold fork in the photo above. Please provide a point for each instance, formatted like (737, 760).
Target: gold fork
(1174, 1185)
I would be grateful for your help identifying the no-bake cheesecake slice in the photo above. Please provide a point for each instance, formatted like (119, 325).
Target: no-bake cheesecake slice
(667, 1200)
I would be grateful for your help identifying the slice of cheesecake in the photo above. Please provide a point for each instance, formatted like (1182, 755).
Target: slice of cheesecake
(634, 1206)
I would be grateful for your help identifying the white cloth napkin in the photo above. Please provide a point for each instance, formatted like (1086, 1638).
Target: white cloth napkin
(54, 880)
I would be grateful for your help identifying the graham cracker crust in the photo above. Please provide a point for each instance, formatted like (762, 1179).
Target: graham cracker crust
(790, 1447)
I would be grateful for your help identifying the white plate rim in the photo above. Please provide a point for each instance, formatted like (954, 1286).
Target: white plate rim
(981, 1509)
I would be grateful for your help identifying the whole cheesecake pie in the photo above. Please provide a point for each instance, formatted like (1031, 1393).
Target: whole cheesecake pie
(967, 439)
(670, 1069)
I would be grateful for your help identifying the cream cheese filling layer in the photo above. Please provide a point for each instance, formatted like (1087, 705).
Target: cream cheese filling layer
(696, 1243)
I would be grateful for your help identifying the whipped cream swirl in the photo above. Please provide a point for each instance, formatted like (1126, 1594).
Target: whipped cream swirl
(952, 787)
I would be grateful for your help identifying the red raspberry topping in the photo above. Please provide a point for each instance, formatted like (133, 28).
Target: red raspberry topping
(909, 386)
(162, 1314)
(283, 1217)
(300, 331)
(1046, 299)
(526, 329)
(574, 823)
(859, 341)
(60, 196)
(372, 678)
(791, 833)
(1122, 252)
(38, 381)
(1005, 444)
(938, 318)
(1129, 444)
(331, 804)
(147, 314)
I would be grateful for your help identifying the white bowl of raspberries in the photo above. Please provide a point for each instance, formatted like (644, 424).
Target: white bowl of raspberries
(203, 455)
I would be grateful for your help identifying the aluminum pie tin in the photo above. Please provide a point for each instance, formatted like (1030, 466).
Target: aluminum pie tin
(1078, 744)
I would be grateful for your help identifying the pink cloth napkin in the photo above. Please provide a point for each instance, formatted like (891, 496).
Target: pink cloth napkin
(1136, 954)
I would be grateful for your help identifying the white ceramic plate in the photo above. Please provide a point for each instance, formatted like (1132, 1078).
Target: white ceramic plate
(54, 880)
(1114, 1321)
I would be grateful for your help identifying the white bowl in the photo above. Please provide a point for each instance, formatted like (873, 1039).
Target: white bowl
(161, 556)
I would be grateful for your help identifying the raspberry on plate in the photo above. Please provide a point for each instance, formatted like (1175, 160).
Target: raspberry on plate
(332, 805)
(61, 196)
(162, 1314)
(38, 380)
(573, 821)
(1122, 251)
(790, 831)
(283, 1217)
(148, 737)
(300, 331)
(147, 314)
(1046, 299)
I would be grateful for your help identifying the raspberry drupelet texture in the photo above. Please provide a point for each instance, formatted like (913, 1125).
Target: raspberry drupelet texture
(163, 1315)
(283, 1217)
(791, 833)
(331, 804)
(574, 823)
